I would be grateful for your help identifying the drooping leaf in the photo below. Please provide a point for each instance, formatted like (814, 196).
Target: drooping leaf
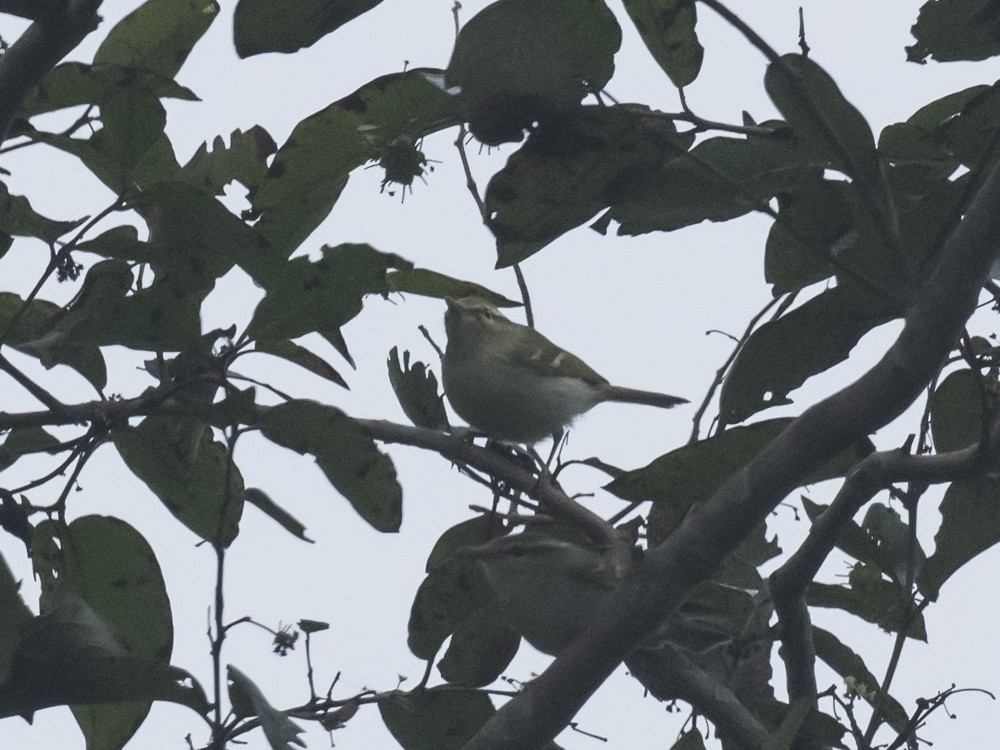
(470, 533)
(133, 120)
(323, 295)
(948, 30)
(281, 732)
(14, 619)
(970, 524)
(451, 592)
(429, 283)
(18, 218)
(299, 355)
(311, 168)
(158, 35)
(523, 61)
(957, 411)
(435, 718)
(481, 647)
(824, 122)
(782, 354)
(667, 30)
(119, 243)
(109, 566)
(416, 388)
(690, 740)
(187, 470)
(274, 26)
(346, 455)
(71, 84)
(268, 507)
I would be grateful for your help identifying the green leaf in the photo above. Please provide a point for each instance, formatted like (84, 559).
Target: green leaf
(667, 30)
(718, 180)
(309, 296)
(481, 647)
(274, 26)
(692, 473)
(281, 732)
(452, 591)
(346, 455)
(782, 354)
(970, 524)
(845, 662)
(245, 160)
(275, 512)
(15, 618)
(949, 30)
(570, 168)
(28, 331)
(690, 740)
(119, 243)
(299, 355)
(957, 411)
(523, 61)
(187, 469)
(109, 566)
(311, 168)
(470, 533)
(72, 84)
(824, 122)
(435, 719)
(872, 598)
(23, 440)
(158, 35)
(133, 121)
(416, 388)
(313, 626)
(429, 283)
(17, 217)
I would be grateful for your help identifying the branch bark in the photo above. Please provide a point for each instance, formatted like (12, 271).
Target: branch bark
(713, 529)
(43, 44)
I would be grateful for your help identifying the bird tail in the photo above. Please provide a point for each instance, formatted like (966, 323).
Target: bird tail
(649, 398)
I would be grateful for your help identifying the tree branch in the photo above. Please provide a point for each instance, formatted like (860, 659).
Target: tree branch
(43, 44)
(713, 529)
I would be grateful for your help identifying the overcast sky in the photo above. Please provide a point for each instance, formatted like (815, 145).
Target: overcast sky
(637, 309)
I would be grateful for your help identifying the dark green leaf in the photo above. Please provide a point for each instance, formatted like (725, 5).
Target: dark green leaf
(782, 354)
(133, 120)
(570, 168)
(451, 592)
(690, 740)
(312, 296)
(957, 411)
(244, 160)
(28, 331)
(158, 35)
(274, 26)
(949, 30)
(667, 29)
(692, 473)
(17, 217)
(845, 662)
(23, 440)
(824, 122)
(521, 61)
(110, 566)
(970, 524)
(872, 598)
(416, 388)
(299, 355)
(119, 243)
(481, 647)
(435, 719)
(15, 618)
(313, 626)
(275, 512)
(187, 469)
(718, 180)
(969, 135)
(346, 455)
(72, 84)
(470, 533)
(310, 170)
(433, 284)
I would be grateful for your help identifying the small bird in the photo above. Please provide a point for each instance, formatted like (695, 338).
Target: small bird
(510, 382)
